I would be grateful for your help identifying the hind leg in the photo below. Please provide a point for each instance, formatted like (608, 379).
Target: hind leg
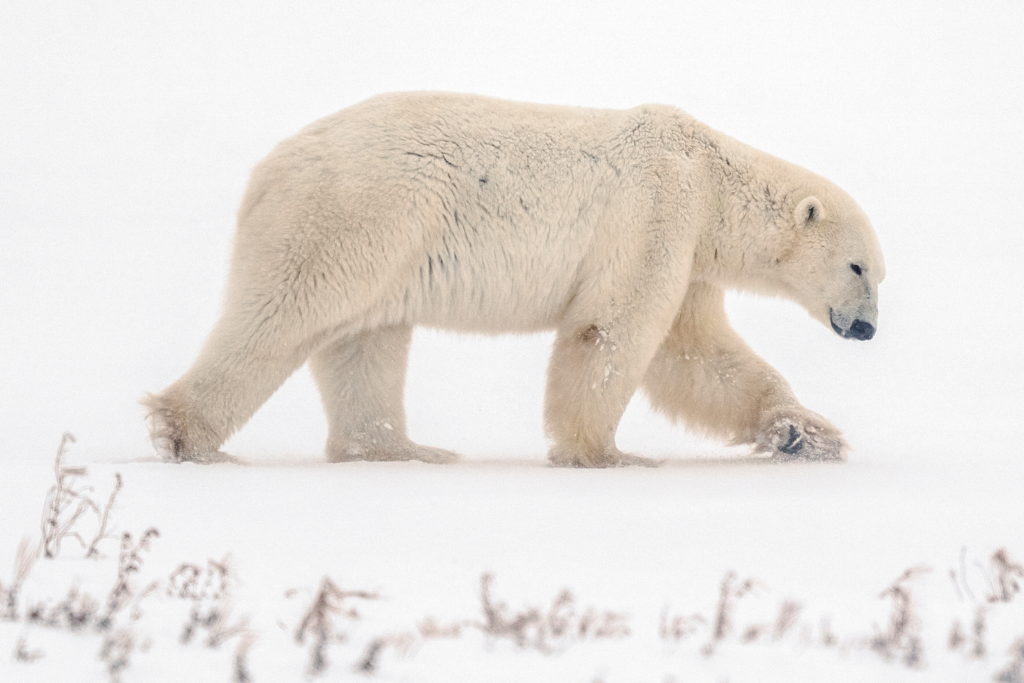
(310, 257)
(242, 363)
(361, 378)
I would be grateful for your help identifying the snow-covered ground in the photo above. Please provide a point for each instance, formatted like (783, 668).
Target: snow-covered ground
(127, 132)
(643, 552)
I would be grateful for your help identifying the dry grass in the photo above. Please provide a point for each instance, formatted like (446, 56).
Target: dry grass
(1006, 577)
(729, 592)
(319, 625)
(129, 564)
(789, 611)
(400, 642)
(116, 652)
(240, 670)
(10, 595)
(675, 627)
(1013, 672)
(208, 590)
(548, 629)
(65, 504)
(22, 652)
(901, 639)
(102, 532)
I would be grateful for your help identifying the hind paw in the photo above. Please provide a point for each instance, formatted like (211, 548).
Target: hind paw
(179, 437)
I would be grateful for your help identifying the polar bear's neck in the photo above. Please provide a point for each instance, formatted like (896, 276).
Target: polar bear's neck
(749, 203)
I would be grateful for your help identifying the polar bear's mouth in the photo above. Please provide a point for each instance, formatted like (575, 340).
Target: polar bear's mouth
(858, 329)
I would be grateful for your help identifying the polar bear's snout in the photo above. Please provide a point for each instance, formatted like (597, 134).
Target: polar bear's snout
(861, 329)
(847, 328)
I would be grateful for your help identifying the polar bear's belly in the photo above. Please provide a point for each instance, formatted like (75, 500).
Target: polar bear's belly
(493, 287)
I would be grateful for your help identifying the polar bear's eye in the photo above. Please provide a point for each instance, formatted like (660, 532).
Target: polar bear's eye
(856, 269)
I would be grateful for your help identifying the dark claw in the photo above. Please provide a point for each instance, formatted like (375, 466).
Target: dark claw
(795, 443)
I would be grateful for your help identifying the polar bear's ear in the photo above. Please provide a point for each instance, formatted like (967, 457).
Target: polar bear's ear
(809, 211)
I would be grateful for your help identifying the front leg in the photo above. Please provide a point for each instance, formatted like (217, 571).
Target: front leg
(605, 342)
(705, 375)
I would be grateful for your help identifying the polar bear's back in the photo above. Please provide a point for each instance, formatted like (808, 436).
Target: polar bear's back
(475, 212)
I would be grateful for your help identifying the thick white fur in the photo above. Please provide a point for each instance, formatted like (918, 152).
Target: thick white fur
(619, 229)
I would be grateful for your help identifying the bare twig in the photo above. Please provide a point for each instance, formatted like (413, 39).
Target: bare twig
(828, 637)
(678, 627)
(116, 652)
(429, 628)
(319, 621)
(728, 594)
(902, 636)
(956, 637)
(184, 581)
(130, 562)
(23, 561)
(55, 525)
(75, 612)
(401, 642)
(789, 610)
(23, 654)
(368, 662)
(102, 533)
(209, 590)
(1013, 672)
(136, 610)
(1008, 575)
(978, 631)
(537, 628)
(240, 671)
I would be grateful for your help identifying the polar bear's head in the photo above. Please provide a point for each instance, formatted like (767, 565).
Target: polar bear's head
(831, 262)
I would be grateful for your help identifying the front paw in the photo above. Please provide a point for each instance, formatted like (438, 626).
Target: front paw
(799, 434)
(394, 450)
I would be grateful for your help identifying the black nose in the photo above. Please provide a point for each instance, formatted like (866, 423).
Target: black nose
(862, 330)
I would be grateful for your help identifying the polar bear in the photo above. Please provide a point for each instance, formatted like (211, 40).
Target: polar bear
(619, 229)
